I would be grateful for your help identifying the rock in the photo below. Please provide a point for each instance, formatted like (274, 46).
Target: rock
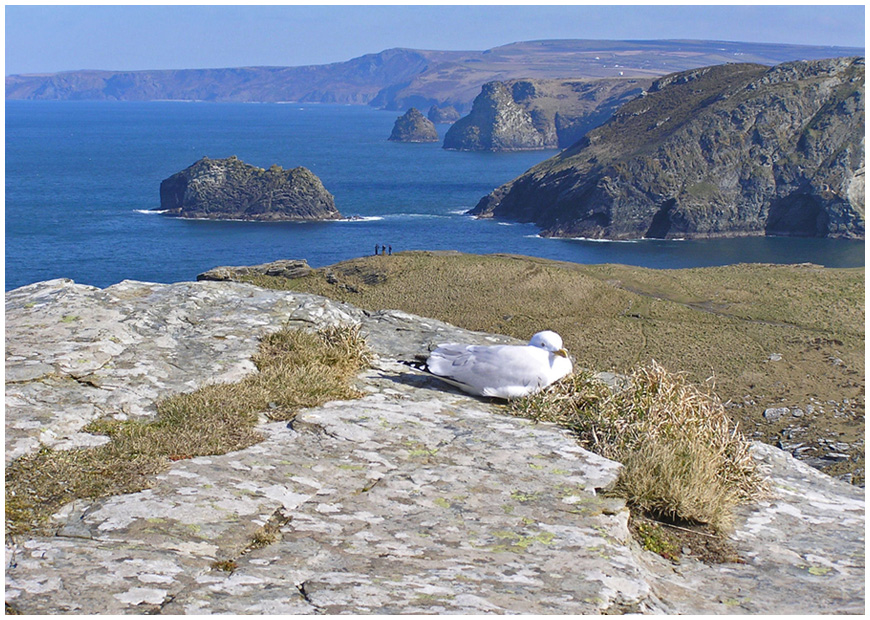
(771, 414)
(415, 498)
(412, 126)
(446, 114)
(730, 150)
(231, 189)
(538, 114)
(280, 269)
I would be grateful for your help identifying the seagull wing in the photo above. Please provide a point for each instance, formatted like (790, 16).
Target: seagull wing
(501, 371)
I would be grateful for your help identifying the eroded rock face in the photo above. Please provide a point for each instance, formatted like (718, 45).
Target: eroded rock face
(231, 189)
(415, 498)
(539, 114)
(730, 150)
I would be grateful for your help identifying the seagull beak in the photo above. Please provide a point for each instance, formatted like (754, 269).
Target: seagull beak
(561, 352)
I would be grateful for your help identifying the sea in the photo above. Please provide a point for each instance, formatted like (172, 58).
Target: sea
(82, 195)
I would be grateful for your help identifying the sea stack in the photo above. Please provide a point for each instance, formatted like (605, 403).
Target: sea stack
(412, 126)
(231, 189)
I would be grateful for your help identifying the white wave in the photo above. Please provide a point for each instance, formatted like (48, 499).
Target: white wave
(458, 212)
(150, 211)
(584, 239)
(361, 218)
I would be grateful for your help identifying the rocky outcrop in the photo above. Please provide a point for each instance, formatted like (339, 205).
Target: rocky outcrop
(722, 151)
(276, 269)
(539, 114)
(231, 189)
(412, 126)
(414, 499)
(446, 114)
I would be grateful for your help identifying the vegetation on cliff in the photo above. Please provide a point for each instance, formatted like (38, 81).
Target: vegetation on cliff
(397, 79)
(727, 150)
(766, 336)
(296, 369)
(231, 189)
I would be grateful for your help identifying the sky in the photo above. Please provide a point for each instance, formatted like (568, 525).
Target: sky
(53, 38)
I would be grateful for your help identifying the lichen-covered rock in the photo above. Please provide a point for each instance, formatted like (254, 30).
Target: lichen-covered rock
(412, 126)
(722, 151)
(414, 499)
(231, 189)
(278, 269)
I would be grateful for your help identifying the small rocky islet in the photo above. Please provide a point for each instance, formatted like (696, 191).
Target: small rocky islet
(412, 126)
(231, 189)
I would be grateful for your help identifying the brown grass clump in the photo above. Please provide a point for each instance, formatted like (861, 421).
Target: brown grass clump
(683, 458)
(296, 369)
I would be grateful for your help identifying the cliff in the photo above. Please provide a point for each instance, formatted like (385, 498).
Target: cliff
(397, 79)
(539, 114)
(728, 150)
(412, 126)
(411, 499)
(231, 189)
(446, 114)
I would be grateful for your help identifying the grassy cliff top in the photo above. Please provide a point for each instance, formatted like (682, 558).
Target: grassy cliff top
(766, 335)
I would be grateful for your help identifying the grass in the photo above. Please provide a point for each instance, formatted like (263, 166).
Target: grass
(683, 459)
(295, 369)
(721, 322)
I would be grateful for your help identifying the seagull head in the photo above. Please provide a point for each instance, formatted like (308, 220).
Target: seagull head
(549, 341)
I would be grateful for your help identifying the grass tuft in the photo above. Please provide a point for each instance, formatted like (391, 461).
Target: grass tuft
(683, 458)
(296, 369)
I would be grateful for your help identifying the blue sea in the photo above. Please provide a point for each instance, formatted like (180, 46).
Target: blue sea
(83, 178)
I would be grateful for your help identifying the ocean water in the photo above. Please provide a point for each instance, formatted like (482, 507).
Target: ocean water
(83, 178)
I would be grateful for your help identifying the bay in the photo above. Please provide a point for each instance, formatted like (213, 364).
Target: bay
(83, 178)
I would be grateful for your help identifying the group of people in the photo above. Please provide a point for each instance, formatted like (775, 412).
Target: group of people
(383, 250)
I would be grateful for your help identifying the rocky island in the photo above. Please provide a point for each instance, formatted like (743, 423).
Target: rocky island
(231, 189)
(539, 114)
(412, 126)
(728, 150)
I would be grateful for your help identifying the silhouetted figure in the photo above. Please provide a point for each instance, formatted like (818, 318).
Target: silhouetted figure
(390, 250)
(377, 248)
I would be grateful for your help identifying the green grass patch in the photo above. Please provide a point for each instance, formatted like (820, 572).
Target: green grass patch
(683, 459)
(296, 370)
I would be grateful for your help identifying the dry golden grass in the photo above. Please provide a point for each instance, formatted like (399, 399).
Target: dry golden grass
(719, 321)
(683, 459)
(296, 369)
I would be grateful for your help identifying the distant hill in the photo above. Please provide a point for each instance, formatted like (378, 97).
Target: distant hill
(729, 150)
(398, 79)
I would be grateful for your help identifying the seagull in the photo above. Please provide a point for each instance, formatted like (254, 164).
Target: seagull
(501, 371)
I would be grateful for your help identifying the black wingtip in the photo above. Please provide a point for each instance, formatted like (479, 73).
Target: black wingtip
(418, 365)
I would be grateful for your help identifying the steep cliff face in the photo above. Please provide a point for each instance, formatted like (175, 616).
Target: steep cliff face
(231, 189)
(412, 126)
(728, 150)
(539, 114)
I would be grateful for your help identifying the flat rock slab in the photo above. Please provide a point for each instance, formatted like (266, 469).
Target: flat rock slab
(413, 499)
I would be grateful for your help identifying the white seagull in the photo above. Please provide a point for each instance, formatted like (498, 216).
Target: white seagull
(501, 371)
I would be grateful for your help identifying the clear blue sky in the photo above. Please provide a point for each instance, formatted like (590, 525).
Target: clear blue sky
(61, 38)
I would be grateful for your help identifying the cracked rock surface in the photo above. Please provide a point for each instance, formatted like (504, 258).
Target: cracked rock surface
(413, 499)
